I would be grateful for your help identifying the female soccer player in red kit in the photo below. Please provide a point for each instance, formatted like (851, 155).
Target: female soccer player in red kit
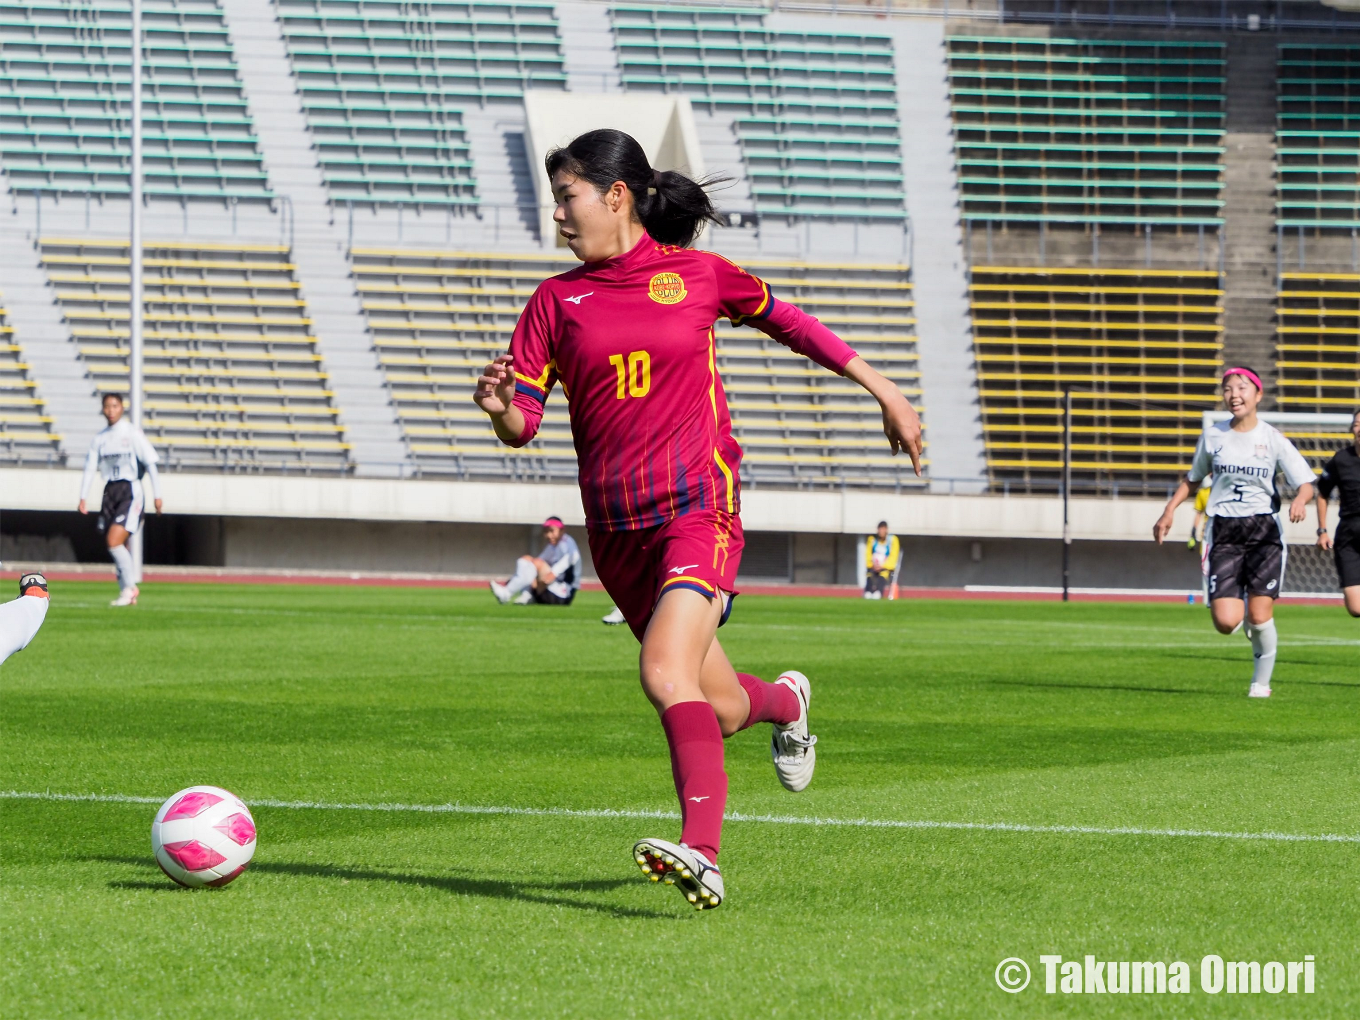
(629, 335)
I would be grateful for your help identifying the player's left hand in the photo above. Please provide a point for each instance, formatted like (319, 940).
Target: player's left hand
(902, 426)
(1298, 509)
(159, 504)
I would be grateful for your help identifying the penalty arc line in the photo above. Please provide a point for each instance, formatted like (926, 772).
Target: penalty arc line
(861, 823)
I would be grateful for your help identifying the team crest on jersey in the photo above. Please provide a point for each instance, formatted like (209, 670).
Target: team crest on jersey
(1262, 450)
(667, 289)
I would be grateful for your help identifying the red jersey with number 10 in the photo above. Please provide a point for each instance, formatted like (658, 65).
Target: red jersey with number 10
(631, 341)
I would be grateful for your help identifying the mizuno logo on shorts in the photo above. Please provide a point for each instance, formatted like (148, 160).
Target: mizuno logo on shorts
(681, 570)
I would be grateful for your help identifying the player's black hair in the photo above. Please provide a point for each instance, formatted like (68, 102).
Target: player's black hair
(672, 207)
(1245, 368)
(116, 396)
(882, 524)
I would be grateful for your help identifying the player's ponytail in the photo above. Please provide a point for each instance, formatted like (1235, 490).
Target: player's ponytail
(672, 207)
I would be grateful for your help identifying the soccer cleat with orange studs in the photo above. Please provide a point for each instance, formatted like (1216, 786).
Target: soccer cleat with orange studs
(697, 878)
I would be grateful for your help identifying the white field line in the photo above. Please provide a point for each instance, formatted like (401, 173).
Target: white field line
(860, 823)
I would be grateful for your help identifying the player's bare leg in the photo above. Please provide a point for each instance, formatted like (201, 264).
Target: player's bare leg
(741, 700)
(122, 560)
(1352, 595)
(1258, 612)
(674, 648)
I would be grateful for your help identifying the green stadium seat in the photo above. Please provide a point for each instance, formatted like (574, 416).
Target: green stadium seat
(810, 106)
(1088, 130)
(384, 86)
(64, 117)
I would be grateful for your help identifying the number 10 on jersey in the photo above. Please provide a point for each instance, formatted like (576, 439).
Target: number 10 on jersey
(635, 378)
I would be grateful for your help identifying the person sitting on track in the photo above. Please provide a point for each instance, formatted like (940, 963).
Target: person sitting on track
(551, 578)
(20, 619)
(122, 454)
(1343, 472)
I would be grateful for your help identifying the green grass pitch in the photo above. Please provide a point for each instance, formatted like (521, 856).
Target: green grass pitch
(1089, 715)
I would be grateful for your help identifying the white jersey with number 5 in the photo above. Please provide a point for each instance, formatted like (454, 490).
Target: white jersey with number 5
(1244, 465)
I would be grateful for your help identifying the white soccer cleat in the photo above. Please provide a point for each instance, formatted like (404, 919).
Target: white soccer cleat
(791, 746)
(501, 592)
(126, 597)
(614, 618)
(697, 878)
(1259, 691)
(524, 598)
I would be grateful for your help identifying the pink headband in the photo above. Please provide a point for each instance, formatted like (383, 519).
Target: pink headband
(1250, 375)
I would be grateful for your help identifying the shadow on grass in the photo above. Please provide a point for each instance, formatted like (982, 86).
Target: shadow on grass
(542, 893)
(1109, 687)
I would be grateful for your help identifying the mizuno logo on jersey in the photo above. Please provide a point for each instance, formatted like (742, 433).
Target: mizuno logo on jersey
(576, 300)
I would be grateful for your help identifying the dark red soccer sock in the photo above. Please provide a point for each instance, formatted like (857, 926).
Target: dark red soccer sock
(696, 744)
(769, 702)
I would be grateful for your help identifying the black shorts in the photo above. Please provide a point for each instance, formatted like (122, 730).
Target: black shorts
(1346, 550)
(547, 598)
(122, 505)
(1245, 556)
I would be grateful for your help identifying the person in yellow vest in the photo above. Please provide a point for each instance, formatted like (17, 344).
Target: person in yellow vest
(1201, 505)
(882, 552)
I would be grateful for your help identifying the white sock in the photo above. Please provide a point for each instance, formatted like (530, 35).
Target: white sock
(122, 559)
(19, 621)
(525, 575)
(1263, 644)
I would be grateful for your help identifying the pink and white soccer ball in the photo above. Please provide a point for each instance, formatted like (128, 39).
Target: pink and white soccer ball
(203, 835)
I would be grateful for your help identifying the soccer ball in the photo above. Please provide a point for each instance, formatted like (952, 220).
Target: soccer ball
(203, 836)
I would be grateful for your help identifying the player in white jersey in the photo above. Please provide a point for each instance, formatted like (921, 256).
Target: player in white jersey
(20, 619)
(1244, 557)
(122, 455)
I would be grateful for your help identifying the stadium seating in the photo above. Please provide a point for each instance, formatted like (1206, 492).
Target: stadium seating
(1318, 135)
(815, 114)
(384, 84)
(437, 318)
(1318, 342)
(233, 376)
(1141, 351)
(64, 112)
(26, 434)
(1088, 130)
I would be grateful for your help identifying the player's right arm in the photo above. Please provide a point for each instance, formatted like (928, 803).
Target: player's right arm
(495, 394)
(1199, 468)
(513, 389)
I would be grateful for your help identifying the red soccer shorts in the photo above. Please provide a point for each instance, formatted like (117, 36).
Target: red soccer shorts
(699, 551)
